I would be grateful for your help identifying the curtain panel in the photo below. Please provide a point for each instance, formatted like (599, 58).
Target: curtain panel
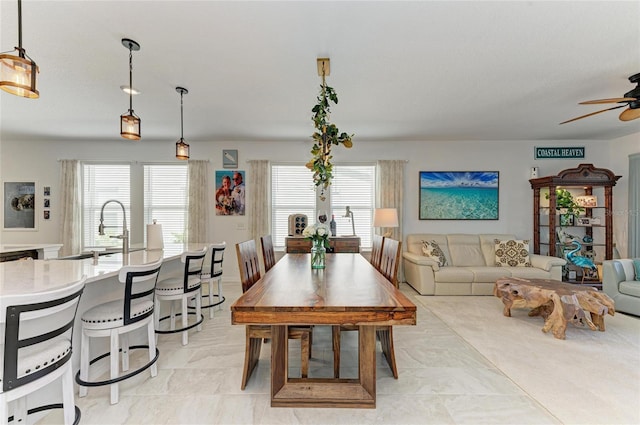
(259, 206)
(390, 194)
(633, 248)
(198, 216)
(70, 208)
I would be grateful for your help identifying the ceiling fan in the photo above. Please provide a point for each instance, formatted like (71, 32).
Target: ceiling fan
(630, 99)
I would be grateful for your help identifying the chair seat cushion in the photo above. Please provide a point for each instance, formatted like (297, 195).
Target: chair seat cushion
(38, 357)
(175, 285)
(110, 315)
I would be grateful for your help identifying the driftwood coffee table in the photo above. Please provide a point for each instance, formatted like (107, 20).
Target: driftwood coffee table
(557, 302)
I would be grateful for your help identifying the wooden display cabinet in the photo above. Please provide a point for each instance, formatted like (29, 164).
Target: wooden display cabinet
(584, 178)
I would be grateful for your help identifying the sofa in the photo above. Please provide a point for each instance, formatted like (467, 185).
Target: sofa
(619, 282)
(470, 267)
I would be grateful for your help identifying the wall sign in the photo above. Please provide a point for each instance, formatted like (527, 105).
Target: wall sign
(230, 158)
(569, 152)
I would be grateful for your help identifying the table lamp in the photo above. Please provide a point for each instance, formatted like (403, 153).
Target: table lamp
(385, 217)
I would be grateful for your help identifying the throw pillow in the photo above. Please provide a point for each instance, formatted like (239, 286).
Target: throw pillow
(432, 249)
(636, 266)
(512, 253)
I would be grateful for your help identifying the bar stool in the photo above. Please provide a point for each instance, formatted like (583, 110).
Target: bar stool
(211, 273)
(38, 335)
(116, 319)
(182, 288)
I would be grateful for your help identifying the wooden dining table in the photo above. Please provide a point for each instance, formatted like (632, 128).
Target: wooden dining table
(348, 291)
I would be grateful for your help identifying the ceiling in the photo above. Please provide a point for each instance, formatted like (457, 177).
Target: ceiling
(406, 71)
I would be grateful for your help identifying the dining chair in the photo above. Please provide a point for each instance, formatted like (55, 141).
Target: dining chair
(37, 344)
(389, 261)
(116, 320)
(249, 275)
(376, 251)
(211, 272)
(182, 288)
(268, 254)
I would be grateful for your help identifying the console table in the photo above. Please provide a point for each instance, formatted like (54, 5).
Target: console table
(339, 244)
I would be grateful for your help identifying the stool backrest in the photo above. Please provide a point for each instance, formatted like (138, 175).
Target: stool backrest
(140, 283)
(217, 256)
(34, 325)
(376, 251)
(268, 254)
(390, 260)
(193, 262)
(248, 263)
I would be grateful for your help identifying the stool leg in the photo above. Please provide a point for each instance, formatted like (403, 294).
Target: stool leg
(124, 343)
(4, 411)
(68, 403)
(210, 286)
(199, 308)
(84, 363)
(173, 314)
(151, 334)
(156, 316)
(220, 292)
(185, 321)
(114, 366)
(20, 411)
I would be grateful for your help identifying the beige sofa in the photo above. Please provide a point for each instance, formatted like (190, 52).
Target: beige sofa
(470, 268)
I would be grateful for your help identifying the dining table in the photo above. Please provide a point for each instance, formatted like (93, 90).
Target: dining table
(348, 291)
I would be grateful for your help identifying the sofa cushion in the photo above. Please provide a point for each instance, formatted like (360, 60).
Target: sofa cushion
(512, 253)
(489, 274)
(465, 250)
(528, 272)
(488, 246)
(636, 266)
(452, 274)
(432, 249)
(630, 287)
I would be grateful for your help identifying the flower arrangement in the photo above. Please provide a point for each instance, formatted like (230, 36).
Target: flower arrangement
(318, 233)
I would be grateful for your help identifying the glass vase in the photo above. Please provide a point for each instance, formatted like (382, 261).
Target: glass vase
(318, 254)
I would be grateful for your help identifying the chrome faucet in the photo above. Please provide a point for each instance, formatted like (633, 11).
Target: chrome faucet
(125, 233)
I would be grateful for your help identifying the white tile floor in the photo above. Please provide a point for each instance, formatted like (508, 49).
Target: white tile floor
(464, 363)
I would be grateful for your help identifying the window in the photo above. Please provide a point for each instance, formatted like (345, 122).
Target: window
(293, 192)
(163, 188)
(100, 183)
(166, 192)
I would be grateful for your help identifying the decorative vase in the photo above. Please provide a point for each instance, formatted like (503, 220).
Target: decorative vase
(318, 254)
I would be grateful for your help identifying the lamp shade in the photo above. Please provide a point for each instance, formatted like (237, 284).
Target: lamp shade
(385, 217)
(18, 76)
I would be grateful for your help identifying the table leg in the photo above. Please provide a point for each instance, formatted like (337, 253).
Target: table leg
(279, 358)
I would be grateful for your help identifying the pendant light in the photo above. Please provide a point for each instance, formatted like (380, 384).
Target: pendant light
(129, 121)
(182, 148)
(18, 71)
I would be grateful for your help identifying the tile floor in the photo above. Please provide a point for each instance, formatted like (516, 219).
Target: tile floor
(464, 363)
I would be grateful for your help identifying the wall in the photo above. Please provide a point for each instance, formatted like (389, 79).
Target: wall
(38, 161)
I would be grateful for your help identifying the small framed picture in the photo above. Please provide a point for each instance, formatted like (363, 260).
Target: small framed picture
(47, 191)
(586, 201)
(584, 221)
(46, 214)
(46, 202)
(229, 158)
(566, 220)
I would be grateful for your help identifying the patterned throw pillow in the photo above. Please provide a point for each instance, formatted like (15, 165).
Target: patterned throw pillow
(512, 253)
(431, 249)
(636, 266)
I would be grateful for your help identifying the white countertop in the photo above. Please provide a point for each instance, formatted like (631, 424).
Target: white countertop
(32, 276)
(16, 247)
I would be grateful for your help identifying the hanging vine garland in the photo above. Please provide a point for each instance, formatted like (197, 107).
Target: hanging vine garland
(326, 135)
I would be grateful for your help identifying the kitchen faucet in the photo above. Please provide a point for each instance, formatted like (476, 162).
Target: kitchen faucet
(125, 233)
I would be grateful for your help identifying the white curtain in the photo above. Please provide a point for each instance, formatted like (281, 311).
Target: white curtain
(198, 219)
(390, 194)
(70, 208)
(633, 249)
(258, 207)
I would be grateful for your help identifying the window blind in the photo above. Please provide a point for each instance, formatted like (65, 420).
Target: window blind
(166, 197)
(292, 192)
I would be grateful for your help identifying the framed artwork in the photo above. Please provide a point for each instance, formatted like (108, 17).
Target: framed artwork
(19, 205)
(229, 197)
(229, 158)
(47, 202)
(567, 219)
(586, 201)
(459, 195)
(46, 191)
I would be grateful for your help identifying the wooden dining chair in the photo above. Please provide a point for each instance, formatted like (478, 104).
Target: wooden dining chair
(389, 261)
(249, 275)
(268, 254)
(376, 251)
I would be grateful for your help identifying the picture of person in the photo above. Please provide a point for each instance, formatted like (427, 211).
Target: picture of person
(46, 202)
(46, 214)
(224, 200)
(238, 193)
(19, 205)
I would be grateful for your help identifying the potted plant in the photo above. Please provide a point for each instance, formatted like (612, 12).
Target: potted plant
(566, 203)
(325, 136)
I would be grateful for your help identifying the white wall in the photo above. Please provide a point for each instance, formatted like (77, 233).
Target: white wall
(620, 149)
(39, 161)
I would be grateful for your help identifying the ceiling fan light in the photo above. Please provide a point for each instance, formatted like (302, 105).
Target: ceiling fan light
(182, 149)
(130, 125)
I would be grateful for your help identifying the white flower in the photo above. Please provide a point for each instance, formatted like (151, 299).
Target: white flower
(309, 231)
(321, 231)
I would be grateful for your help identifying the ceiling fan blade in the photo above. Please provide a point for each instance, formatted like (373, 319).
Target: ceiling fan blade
(630, 114)
(593, 113)
(612, 100)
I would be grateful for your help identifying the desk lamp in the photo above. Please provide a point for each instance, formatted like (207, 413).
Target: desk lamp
(349, 213)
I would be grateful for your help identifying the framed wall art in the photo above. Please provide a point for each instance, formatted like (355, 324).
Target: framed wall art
(459, 195)
(229, 196)
(19, 205)
(229, 158)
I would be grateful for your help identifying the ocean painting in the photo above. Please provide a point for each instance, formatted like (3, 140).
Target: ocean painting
(459, 195)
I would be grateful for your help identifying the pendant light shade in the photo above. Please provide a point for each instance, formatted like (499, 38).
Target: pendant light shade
(182, 148)
(129, 121)
(18, 71)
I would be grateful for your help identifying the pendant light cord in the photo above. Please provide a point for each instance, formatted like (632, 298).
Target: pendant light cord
(130, 80)
(19, 48)
(181, 117)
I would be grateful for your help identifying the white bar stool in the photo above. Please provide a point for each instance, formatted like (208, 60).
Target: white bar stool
(116, 319)
(183, 289)
(214, 272)
(38, 332)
